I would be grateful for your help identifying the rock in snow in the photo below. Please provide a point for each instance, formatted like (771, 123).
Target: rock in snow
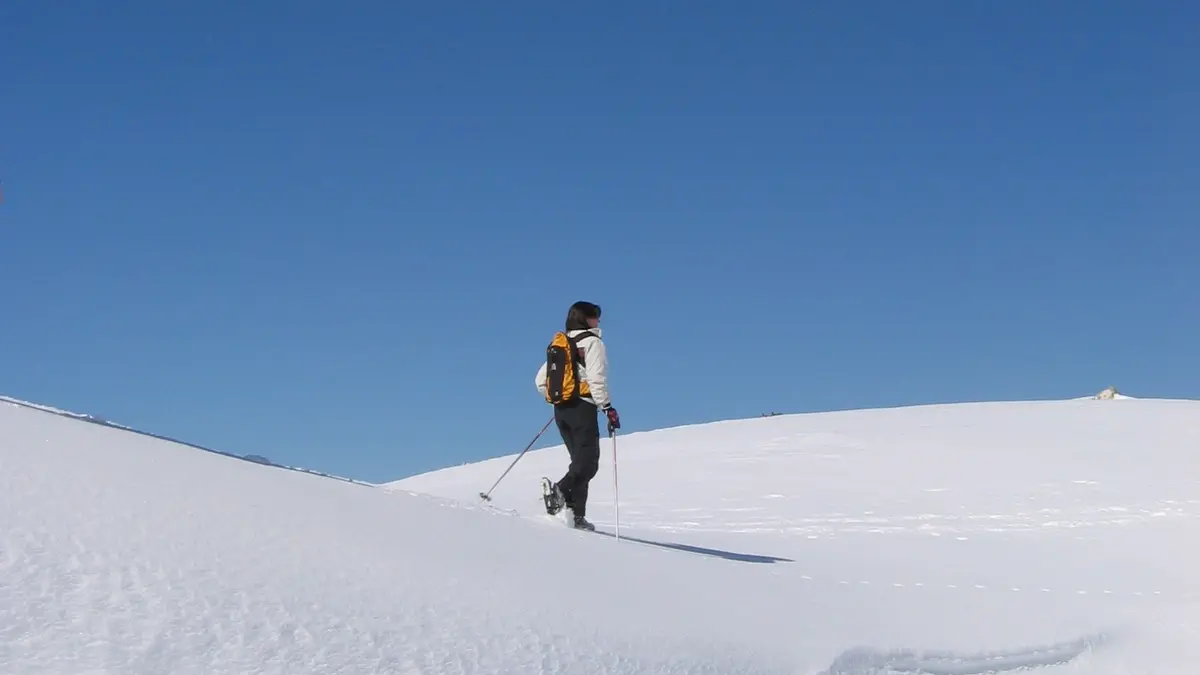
(973, 538)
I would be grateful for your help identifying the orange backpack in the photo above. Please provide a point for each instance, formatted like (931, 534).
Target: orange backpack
(564, 357)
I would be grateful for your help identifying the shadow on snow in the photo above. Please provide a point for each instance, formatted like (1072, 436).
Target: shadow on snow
(701, 550)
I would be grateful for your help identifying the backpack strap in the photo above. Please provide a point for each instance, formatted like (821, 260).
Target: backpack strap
(579, 350)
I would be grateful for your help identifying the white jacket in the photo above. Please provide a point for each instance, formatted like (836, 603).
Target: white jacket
(594, 370)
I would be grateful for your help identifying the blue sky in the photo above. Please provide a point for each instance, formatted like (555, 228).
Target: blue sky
(340, 235)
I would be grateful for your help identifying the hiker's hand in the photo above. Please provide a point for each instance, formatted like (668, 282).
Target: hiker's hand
(614, 420)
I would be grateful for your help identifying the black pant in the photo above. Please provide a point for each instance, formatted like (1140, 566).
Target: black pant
(580, 428)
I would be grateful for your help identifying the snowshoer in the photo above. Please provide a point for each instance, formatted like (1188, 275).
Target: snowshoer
(574, 379)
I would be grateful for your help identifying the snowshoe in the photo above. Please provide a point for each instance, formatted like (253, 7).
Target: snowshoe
(551, 496)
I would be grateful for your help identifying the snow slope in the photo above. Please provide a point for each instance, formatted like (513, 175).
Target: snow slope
(108, 423)
(852, 544)
(968, 528)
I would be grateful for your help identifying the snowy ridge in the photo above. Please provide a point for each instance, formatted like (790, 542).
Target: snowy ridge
(84, 417)
(64, 413)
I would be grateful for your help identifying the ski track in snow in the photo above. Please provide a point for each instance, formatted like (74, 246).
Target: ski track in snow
(731, 519)
(892, 583)
(864, 661)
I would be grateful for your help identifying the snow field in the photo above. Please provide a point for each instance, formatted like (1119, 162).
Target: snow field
(1054, 536)
(970, 527)
(123, 554)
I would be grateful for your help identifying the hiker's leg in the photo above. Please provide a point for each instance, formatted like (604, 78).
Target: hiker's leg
(563, 422)
(585, 453)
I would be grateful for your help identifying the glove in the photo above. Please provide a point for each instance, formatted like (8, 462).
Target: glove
(614, 420)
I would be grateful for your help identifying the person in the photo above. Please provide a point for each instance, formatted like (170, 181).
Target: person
(577, 419)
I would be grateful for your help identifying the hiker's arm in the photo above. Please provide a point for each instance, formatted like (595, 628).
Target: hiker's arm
(540, 381)
(596, 359)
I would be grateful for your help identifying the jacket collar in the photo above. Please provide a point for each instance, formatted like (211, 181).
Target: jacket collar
(594, 331)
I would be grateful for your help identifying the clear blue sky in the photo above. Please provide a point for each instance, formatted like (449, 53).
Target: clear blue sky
(341, 234)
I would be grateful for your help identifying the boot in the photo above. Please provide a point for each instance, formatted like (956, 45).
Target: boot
(581, 523)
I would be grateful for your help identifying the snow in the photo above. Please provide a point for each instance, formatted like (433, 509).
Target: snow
(971, 528)
(959, 539)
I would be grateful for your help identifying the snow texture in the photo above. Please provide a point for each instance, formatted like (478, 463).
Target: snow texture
(1050, 537)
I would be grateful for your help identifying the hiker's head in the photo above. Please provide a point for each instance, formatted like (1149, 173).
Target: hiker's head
(583, 315)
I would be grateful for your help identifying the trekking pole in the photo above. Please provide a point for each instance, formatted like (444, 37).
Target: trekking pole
(612, 434)
(486, 496)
